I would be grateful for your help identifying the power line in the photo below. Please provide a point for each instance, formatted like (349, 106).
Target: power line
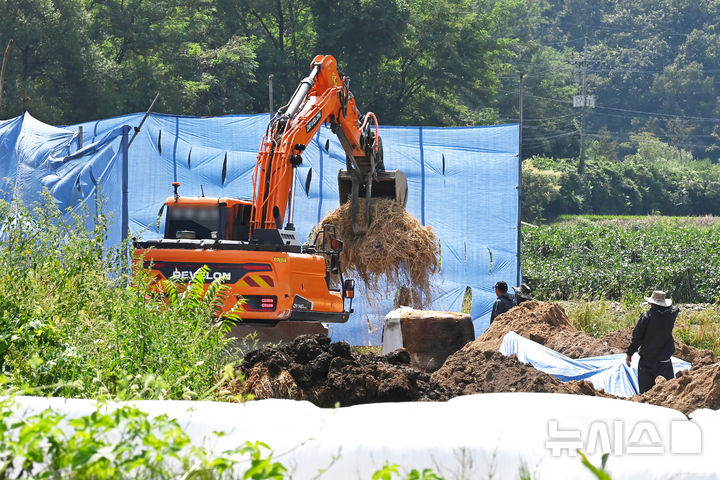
(639, 112)
(537, 119)
(666, 115)
(627, 29)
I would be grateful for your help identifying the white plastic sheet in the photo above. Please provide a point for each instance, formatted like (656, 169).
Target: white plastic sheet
(608, 372)
(476, 436)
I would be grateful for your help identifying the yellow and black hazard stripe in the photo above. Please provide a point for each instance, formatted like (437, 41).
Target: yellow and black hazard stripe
(256, 280)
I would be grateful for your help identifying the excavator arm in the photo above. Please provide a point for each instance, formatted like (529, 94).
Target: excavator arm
(322, 96)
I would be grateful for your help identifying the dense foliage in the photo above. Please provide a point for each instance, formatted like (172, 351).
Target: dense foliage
(623, 259)
(438, 61)
(73, 323)
(652, 65)
(658, 179)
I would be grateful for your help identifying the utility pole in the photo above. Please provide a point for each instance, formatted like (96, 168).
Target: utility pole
(270, 93)
(581, 166)
(583, 101)
(4, 65)
(518, 281)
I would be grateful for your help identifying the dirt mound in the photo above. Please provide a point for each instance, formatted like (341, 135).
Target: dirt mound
(696, 356)
(696, 388)
(397, 248)
(471, 371)
(578, 344)
(311, 368)
(538, 321)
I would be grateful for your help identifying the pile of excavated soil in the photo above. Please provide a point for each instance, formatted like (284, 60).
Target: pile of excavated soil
(696, 356)
(547, 324)
(692, 389)
(311, 368)
(471, 371)
(478, 367)
(538, 321)
(396, 249)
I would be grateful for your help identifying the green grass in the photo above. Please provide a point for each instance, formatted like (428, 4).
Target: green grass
(597, 318)
(699, 329)
(640, 219)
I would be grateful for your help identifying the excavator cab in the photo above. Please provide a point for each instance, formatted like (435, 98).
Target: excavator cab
(198, 218)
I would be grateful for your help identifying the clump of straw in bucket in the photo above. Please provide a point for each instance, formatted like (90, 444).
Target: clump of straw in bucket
(397, 248)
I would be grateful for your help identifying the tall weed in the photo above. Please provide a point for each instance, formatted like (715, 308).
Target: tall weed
(74, 322)
(596, 318)
(700, 329)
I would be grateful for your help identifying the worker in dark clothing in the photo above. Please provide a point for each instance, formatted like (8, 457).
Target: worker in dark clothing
(653, 337)
(522, 294)
(504, 301)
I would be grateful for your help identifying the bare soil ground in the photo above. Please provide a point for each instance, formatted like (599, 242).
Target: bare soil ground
(472, 370)
(312, 368)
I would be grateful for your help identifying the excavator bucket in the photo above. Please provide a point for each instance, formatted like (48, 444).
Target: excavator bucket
(384, 184)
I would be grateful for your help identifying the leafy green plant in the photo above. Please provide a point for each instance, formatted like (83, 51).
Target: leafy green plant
(623, 260)
(122, 443)
(599, 472)
(194, 300)
(74, 322)
(391, 471)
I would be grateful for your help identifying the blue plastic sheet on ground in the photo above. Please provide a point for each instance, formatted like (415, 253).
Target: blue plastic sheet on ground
(462, 182)
(608, 372)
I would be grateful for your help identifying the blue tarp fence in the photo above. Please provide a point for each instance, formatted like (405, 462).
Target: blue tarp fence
(608, 372)
(462, 181)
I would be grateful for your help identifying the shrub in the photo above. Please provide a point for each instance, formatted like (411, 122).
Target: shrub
(124, 443)
(74, 322)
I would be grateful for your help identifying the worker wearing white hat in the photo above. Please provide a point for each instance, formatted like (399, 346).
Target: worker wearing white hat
(653, 338)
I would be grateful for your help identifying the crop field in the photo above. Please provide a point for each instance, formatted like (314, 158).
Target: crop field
(624, 258)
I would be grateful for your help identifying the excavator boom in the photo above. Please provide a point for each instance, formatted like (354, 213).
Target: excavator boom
(322, 96)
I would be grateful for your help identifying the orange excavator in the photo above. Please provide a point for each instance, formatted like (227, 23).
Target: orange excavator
(244, 242)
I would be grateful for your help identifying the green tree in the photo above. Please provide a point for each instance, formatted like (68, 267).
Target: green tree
(54, 61)
(176, 49)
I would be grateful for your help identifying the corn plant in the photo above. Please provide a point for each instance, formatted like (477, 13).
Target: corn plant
(624, 259)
